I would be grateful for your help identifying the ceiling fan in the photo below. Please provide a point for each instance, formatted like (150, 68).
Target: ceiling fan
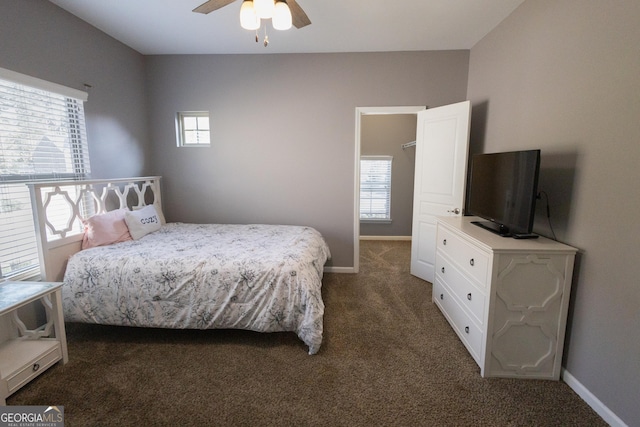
(299, 17)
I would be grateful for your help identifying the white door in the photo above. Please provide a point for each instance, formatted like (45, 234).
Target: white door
(442, 146)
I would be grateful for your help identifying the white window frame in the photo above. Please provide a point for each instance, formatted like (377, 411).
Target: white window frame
(44, 118)
(201, 131)
(374, 189)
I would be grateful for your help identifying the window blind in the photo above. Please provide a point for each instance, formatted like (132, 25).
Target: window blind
(375, 187)
(42, 137)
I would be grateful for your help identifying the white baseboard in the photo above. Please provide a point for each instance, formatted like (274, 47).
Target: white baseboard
(385, 237)
(595, 403)
(344, 270)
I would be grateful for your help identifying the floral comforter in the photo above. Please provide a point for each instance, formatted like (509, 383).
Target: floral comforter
(264, 278)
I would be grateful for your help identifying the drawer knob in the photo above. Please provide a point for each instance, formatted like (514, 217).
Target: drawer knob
(442, 269)
(472, 262)
(466, 329)
(444, 242)
(441, 296)
(36, 366)
(469, 296)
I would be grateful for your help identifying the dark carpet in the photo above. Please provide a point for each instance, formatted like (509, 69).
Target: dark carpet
(389, 358)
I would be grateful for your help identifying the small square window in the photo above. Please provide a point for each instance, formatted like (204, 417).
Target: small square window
(193, 129)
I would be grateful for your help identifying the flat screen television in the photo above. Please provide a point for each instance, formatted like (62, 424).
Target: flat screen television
(503, 188)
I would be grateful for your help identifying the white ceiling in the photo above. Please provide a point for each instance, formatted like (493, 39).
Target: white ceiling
(170, 26)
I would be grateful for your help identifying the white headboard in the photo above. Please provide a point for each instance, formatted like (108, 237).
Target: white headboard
(60, 206)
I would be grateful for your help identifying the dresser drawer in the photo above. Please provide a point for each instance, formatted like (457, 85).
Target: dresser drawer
(50, 353)
(470, 259)
(468, 295)
(465, 327)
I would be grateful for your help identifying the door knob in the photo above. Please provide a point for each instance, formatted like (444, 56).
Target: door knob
(455, 211)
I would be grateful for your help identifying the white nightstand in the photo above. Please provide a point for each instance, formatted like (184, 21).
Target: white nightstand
(28, 353)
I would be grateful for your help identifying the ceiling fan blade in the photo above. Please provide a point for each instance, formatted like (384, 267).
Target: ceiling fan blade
(212, 5)
(300, 19)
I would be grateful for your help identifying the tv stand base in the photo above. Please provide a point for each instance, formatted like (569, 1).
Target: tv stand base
(524, 236)
(500, 230)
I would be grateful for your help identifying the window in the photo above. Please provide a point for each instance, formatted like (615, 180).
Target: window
(42, 137)
(193, 129)
(375, 188)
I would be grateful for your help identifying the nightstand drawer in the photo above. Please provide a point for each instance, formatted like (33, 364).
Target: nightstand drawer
(469, 258)
(50, 353)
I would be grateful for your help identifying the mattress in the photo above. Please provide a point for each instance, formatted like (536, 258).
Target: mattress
(264, 278)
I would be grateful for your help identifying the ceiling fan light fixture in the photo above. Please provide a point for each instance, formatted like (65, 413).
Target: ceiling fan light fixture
(248, 18)
(282, 19)
(264, 8)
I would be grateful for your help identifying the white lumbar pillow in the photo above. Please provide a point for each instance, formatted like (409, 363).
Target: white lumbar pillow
(142, 222)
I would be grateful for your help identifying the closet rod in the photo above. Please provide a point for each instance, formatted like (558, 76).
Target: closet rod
(408, 144)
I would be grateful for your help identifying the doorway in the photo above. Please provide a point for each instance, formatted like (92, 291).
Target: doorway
(360, 112)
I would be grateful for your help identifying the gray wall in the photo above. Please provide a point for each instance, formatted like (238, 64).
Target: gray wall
(41, 40)
(563, 76)
(283, 131)
(558, 75)
(383, 135)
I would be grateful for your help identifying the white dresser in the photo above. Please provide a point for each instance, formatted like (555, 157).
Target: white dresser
(507, 299)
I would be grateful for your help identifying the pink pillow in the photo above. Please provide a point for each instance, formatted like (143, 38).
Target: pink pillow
(105, 229)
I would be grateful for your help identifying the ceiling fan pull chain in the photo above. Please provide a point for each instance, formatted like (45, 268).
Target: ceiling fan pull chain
(257, 37)
(266, 37)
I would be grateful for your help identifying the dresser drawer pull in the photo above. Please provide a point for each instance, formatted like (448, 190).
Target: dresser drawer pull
(444, 242)
(469, 296)
(466, 329)
(441, 296)
(442, 269)
(472, 262)
(36, 366)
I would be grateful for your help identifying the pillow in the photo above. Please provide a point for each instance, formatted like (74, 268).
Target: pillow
(142, 222)
(160, 215)
(105, 229)
(158, 211)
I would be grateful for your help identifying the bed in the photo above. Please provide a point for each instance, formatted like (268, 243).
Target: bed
(259, 277)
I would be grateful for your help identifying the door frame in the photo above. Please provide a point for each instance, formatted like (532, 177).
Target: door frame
(368, 111)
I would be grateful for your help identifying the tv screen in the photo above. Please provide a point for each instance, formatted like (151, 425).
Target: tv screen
(503, 189)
